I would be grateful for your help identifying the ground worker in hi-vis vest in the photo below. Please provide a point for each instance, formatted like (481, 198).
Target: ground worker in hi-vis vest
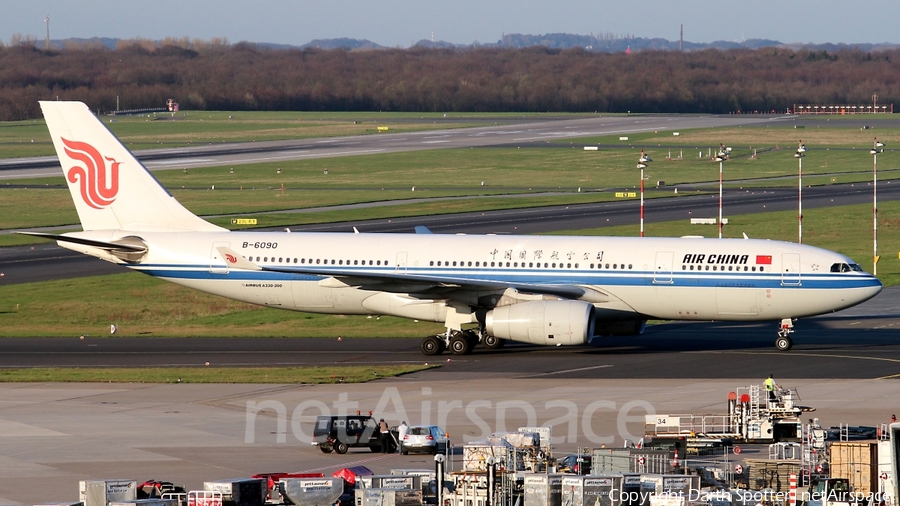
(770, 388)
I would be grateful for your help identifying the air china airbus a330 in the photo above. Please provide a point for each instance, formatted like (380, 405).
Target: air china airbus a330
(547, 290)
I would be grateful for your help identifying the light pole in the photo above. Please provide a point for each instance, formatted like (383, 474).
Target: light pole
(720, 157)
(642, 164)
(801, 149)
(876, 148)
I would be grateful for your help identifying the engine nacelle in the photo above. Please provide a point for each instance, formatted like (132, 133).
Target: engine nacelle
(547, 322)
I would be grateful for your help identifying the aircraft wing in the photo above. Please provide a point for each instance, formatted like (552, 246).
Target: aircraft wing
(401, 282)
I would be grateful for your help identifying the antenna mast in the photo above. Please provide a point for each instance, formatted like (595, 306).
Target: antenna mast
(47, 40)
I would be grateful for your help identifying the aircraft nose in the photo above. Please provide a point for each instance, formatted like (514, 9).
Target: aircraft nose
(870, 291)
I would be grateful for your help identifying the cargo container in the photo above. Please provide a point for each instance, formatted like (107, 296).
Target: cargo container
(403, 482)
(857, 462)
(311, 491)
(241, 491)
(592, 490)
(668, 489)
(388, 497)
(102, 492)
(631, 489)
(424, 478)
(543, 489)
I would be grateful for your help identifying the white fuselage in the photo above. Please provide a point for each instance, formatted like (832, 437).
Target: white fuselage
(661, 278)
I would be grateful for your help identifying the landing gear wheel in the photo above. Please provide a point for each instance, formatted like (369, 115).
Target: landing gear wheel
(340, 448)
(492, 342)
(783, 343)
(460, 344)
(472, 337)
(431, 345)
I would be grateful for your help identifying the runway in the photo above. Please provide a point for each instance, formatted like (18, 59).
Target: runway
(527, 131)
(861, 342)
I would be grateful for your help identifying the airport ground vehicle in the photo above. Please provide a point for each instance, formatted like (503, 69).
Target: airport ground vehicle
(574, 463)
(831, 492)
(751, 418)
(425, 438)
(340, 433)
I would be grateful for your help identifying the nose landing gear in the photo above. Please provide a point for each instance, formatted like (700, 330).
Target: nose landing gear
(783, 341)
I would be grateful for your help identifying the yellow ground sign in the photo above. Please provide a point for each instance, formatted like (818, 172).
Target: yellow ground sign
(626, 194)
(243, 221)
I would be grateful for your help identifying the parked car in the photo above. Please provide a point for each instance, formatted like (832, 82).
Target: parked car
(425, 438)
(574, 463)
(339, 433)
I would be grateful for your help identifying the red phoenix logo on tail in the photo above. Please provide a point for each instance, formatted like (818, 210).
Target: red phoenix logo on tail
(231, 258)
(99, 184)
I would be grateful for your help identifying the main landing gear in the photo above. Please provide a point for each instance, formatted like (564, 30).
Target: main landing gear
(459, 342)
(785, 329)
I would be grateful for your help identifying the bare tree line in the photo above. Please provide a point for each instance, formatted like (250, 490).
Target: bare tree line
(216, 75)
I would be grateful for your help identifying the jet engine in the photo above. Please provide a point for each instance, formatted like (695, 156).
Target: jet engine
(547, 322)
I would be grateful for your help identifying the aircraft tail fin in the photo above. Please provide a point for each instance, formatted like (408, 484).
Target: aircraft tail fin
(110, 187)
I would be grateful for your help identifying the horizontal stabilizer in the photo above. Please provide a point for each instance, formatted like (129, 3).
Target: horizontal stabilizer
(112, 246)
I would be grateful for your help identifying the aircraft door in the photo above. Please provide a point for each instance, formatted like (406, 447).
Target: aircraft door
(790, 269)
(217, 264)
(401, 262)
(662, 269)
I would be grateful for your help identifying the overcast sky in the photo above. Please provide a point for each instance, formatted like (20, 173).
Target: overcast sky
(402, 22)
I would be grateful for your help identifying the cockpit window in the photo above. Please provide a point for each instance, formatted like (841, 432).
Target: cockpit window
(841, 267)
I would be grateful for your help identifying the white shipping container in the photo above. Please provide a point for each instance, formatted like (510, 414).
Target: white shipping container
(102, 492)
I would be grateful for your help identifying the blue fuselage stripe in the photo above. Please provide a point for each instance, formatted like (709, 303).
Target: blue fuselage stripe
(539, 277)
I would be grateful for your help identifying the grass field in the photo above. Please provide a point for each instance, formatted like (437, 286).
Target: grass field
(440, 173)
(204, 374)
(143, 306)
